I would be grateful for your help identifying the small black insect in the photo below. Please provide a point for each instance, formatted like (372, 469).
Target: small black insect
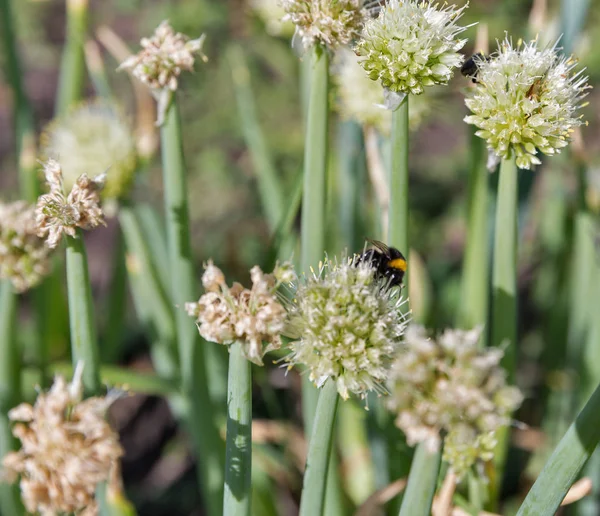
(387, 261)
(470, 67)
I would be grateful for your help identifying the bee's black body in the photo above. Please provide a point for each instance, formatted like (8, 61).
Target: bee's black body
(470, 67)
(387, 261)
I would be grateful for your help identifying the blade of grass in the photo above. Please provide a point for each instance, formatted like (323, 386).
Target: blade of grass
(72, 68)
(566, 462)
(192, 356)
(422, 481)
(317, 462)
(269, 186)
(238, 444)
(10, 391)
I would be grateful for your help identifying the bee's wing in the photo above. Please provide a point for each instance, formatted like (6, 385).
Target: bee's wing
(380, 245)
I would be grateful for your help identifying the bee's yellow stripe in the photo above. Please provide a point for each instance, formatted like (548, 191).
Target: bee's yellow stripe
(398, 263)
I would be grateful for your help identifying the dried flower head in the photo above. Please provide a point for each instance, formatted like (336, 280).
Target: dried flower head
(451, 387)
(254, 317)
(67, 448)
(163, 57)
(57, 214)
(362, 99)
(526, 101)
(271, 13)
(348, 325)
(24, 257)
(330, 23)
(411, 44)
(95, 137)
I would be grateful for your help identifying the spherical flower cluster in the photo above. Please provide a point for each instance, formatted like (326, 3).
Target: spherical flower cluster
(450, 386)
(362, 99)
(250, 316)
(325, 22)
(411, 44)
(94, 137)
(525, 102)
(24, 257)
(348, 325)
(57, 214)
(67, 448)
(163, 57)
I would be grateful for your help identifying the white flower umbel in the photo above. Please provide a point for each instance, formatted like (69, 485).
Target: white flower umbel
(450, 386)
(330, 23)
(97, 138)
(348, 325)
(411, 44)
(525, 102)
(362, 99)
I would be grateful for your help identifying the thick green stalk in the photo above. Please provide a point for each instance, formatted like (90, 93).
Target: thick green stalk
(238, 445)
(473, 307)
(313, 196)
(398, 181)
(504, 281)
(317, 461)
(269, 186)
(566, 462)
(10, 390)
(422, 481)
(84, 346)
(72, 67)
(193, 365)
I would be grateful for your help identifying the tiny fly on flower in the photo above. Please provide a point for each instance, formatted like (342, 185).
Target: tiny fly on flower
(470, 67)
(388, 262)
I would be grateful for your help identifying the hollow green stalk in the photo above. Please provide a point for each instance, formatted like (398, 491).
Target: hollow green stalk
(238, 445)
(193, 364)
(422, 481)
(72, 67)
(398, 181)
(84, 344)
(504, 280)
(566, 462)
(10, 391)
(473, 308)
(313, 197)
(317, 462)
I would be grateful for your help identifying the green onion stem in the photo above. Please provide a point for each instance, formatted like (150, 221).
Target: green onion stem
(317, 463)
(238, 445)
(398, 181)
(422, 481)
(84, 346)
(10, 390)
(193, 365)
(72, 67)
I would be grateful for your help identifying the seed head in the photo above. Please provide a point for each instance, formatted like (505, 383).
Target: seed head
(451, 387)
(525, 102)
(67, 448)
(330, 23)
(251, 316)
(411, 44)
(94, 137)
(57, 214)
(347, 325)
(163, 57)
(24, 257)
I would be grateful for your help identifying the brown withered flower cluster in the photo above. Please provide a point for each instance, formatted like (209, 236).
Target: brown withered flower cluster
(58, 214)
(67, 448)
(254, 317)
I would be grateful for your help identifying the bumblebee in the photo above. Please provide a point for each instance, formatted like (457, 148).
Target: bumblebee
(388, 262)
(470, 67)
